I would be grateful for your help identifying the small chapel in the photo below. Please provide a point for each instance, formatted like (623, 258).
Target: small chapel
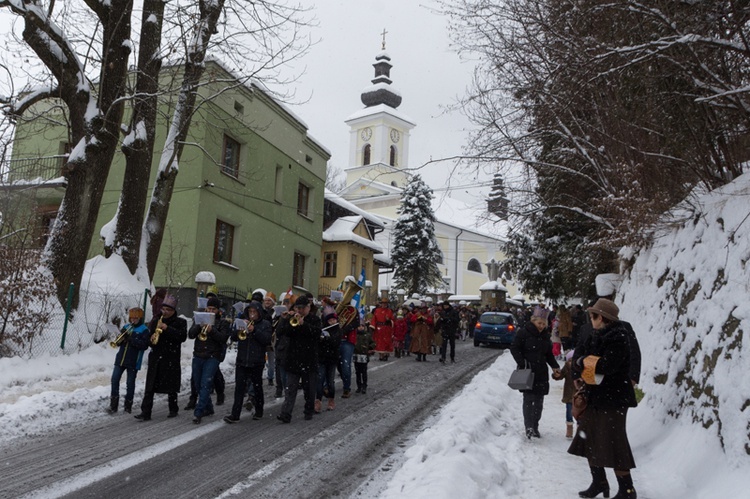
(378, 170)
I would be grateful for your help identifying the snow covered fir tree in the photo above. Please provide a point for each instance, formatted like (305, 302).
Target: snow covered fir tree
(415, 252)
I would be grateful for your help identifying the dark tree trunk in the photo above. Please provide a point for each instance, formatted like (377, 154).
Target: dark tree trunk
(139, 151)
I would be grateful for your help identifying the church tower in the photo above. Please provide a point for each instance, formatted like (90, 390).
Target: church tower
(378, 136)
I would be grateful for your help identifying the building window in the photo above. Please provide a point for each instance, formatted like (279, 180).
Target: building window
(474, 265)
(329, 264)
(223, 242)
(354, 266)
(393, 156)
(298, 270)
(366, 154)
(303, 200)
(231, 157)
(278, 185)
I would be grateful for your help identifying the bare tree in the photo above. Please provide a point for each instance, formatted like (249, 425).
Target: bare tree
(84, 65)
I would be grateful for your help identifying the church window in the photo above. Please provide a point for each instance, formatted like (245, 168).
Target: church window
(366, 154)
(393, 156)
(474, 265)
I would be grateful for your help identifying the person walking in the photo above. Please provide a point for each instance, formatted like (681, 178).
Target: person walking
(362, 351)
(208, 352)
(449, 328)
(383, 322)
(532, 348)
(422, 333)
(133, 341)
(603, 362)
(164, 374)
(328, 360)
(251, 357)
(301, 363)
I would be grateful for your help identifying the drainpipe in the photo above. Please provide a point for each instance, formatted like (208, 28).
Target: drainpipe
(455, 276)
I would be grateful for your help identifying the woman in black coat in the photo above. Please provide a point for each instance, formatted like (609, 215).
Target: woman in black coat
(603, 360)
(532, 348)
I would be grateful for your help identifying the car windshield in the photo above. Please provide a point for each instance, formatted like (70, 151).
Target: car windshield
(496, 319)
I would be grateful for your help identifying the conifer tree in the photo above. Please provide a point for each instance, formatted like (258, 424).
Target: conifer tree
(415, 252)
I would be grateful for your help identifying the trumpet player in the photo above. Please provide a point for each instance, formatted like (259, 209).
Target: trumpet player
(252, 343)
(208, 352)
(132, 342)
(303, 330)
(164, 373)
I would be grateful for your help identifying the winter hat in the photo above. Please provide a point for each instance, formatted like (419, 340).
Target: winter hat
(271, 296)
(330, 316)
(170, 301)
(255, 306)
(135, 313)
(540, 313)
(605, 308)
(213, 302)
(302, 301)
(256, 296)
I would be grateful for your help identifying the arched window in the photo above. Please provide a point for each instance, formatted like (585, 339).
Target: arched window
(393, 156)
(366, 155)
(474, 265)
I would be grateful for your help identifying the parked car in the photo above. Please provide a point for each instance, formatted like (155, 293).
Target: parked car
(495, 328)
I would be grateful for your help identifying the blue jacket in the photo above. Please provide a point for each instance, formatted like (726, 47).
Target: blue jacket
(130, 353)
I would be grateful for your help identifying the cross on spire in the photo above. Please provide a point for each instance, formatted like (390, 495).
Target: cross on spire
(383, 44)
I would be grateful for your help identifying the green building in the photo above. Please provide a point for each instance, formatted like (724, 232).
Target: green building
(248, 200)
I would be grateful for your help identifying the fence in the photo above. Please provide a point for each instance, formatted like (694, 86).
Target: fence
(66, 333)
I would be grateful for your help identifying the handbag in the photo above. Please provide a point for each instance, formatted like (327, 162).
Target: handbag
(521, 379)
(580, 401)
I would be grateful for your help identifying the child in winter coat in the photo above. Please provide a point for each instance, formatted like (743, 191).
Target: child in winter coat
(400, 328)
(364, 347)
(569, 390)
(133, 340)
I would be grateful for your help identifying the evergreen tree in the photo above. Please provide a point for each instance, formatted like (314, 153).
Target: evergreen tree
(415, 252)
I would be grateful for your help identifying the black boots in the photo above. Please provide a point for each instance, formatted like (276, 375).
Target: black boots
(220, 398)
(627, 491)
(113, 403)
(128, 406)
(599, 484)
(191, 403)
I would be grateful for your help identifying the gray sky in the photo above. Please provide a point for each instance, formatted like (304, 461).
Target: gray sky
(426, 71)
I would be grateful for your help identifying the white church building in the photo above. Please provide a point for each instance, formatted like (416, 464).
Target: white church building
(378, 170)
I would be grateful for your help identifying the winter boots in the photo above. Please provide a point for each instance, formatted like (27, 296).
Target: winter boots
(569, 430)
(331, 404)
(113, 403)
(318, 406)
(220, 398)
(128, 406)
(599, 484)
(627, 491)
(191, 403)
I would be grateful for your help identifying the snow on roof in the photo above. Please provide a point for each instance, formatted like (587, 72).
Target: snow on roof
(336, 199)
(341, 231)
(493, 286)
(464, 298)
(380, 108)
(382, 260)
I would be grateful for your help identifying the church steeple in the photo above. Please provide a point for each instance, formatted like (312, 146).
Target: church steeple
(381, 91)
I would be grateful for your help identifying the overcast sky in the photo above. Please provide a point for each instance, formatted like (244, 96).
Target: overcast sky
(426, 71)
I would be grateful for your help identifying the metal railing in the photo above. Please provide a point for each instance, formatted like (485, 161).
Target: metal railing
(30, 170)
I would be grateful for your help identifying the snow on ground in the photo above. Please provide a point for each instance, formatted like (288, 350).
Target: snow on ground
(473, 448)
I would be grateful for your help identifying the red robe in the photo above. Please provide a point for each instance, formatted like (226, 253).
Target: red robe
(382, 319)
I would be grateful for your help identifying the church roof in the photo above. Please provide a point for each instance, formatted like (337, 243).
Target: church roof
(381, 108)
(381, 91)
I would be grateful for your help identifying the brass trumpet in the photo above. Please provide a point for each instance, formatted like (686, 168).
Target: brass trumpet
(203, 335)
(242, 335)
(121, 337)
(294, 321)
(157, 332)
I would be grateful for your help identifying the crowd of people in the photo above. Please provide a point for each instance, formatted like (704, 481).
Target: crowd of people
(299, 343)
(302, 344)
(601, 368)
